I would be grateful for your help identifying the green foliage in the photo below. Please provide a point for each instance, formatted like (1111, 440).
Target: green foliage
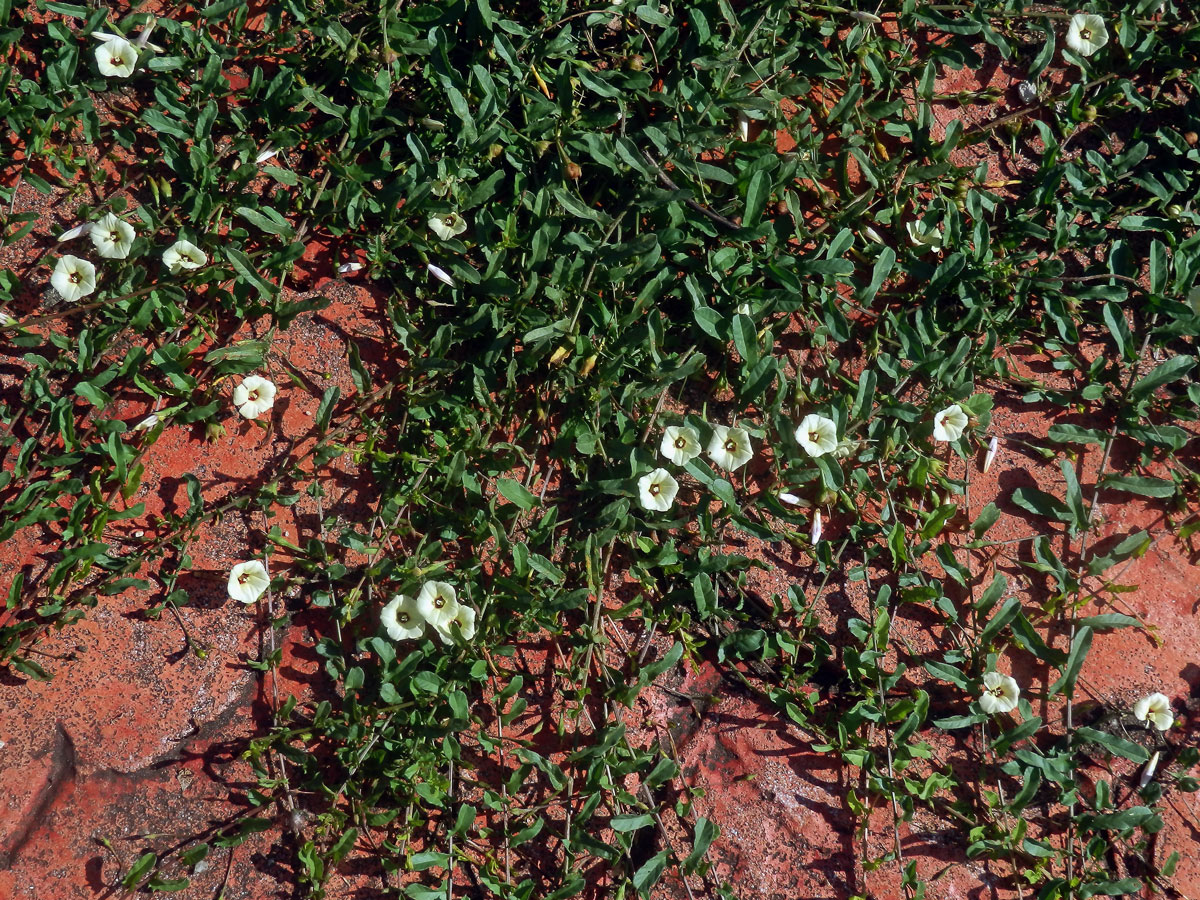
(628, 257)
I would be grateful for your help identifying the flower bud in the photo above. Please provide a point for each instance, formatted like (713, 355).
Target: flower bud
(559, 354)
(214, 432)
(495, 150)
(587, 366)
(573, 171)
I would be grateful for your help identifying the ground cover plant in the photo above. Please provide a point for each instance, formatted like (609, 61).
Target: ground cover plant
(663, 293)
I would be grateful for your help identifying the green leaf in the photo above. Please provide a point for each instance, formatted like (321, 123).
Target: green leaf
(1079, 648)
(138, 871)
(516, 492)
(630, 822)
(243, 267)
(1171, 370)
(756, 198)
(1143, 486)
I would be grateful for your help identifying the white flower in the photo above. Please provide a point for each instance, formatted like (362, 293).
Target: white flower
(815, 534)
(147, 423)
(729, 447)
(254, 396)
(1155, 709)
(680, 444)
(1000, 693)
(657, 490)
(6, 320)
(184, 255)
(440, 274)
(923, 236)
(116, 57)
(743, 309)
(789, 499)
(817, 435)
(112, 237)
(248, 580)
(75, 232)
(949, 424)
(73, 278)
(438, 604)
(447, 226)
(871, 234)
(464, 619)
(993, 449)
(1086, 34)
(267, 153)
(347, 268)
(401, 619)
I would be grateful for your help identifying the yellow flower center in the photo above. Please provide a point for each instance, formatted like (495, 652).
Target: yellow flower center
(654, 490)
(114, 237)
(117, 61)
(402, 618)
(439, 602)
(243, 578)
(731, 446)
(814, 436)
(253, 395)
(680, 443)
(75, 279)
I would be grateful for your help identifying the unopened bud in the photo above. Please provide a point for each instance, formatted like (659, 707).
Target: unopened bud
(75, 232)
(993, 449)
(440, 274)
(869, 18)
(559, 354)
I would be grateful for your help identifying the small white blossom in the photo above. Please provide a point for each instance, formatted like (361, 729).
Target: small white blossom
(184, 255)
(872, 235)
(657, 490)
(264, 155)
(347, 268)
(1155, 709)
(111, 237)
(464, 619)
(1000, 693)
(438, 604)
(447, 226)
(72, 233)
(993, 449)
(254, 396)
(789, 499)
(116, 57)
(817, 530)
(730, 447)
(743, 309)
(817, 435)
(950, 423)
(680, 444)
(401, 619)
(1086, 34)
(868, 18)
(248, 580)
(73, 277)
(147, 423)
(440, 274)
(924, 236)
